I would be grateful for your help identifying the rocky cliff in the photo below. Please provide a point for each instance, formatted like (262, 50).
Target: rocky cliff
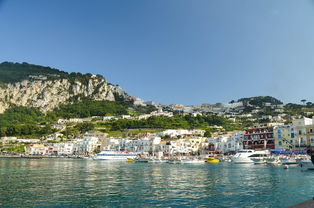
(48, 93)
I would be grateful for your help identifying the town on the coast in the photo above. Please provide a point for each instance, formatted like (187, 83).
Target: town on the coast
(48, 113)
(273, 130)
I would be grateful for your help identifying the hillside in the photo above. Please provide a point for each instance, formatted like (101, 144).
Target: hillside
(16, 72)
(46, 88)
(261, 100)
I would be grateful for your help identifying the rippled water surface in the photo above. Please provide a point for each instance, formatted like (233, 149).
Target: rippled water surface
(87, 183)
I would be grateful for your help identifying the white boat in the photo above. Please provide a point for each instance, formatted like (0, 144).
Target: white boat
(159, 160)
(273, 160)
(288, 161)
(174, 161)
(114, 155)
(192, 161)
(259, 160)
(248, 156)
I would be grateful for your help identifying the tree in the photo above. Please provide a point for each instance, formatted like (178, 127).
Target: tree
(303, 101)
(207, 133)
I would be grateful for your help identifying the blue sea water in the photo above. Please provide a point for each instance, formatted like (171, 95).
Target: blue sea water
(88, 183)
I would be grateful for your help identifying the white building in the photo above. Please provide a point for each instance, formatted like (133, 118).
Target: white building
(227, 143)
(66, 148)
(89, 144)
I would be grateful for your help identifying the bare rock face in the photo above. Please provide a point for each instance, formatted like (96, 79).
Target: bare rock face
(49, 94)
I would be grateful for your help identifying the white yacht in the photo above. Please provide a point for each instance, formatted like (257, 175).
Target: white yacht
(114, 155)
(249, 156)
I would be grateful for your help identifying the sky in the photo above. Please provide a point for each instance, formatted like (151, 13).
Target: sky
(170, 51)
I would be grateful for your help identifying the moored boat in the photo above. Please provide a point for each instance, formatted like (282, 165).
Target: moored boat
(212, 160)
(248, 155)
(142, 160)
(288, 161)
(114, 155)
(259, 160)
(192, 161)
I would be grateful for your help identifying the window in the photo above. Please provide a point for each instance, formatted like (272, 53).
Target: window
(300, 132)
(311, 130)
(280, 143)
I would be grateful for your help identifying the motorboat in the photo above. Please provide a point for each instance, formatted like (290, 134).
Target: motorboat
(192, 161)
(249, 155)
(212, 160)
(114, 155)
(288, 161)
(259, 160)
(273, 160)
(175, 161)
(159, 160)
(142, 159)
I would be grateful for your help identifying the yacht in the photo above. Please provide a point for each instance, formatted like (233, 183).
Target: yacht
(249, 156)
(114, 155)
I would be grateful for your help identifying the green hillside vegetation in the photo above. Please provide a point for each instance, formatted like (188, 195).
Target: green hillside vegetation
(89, 108)
(176, 122)
(261, 100)
(31, 122)
(22, 121)
(15, 72)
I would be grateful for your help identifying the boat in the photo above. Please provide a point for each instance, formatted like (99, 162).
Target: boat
(159, 160)
(273, 160)
(259, 160)
(175, 161)
(249, 155)
(142, 160)
(288, 161)
(192, 161)
(114, 155)
(212, 160)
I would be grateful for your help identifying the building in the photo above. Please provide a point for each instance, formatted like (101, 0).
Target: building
(231, 142)
(35, 149)
(259, 138)
(310, 135)
(299, 126)
(284, 137)
(67, 148)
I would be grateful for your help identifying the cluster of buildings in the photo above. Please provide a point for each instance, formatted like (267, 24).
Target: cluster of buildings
(179, 142)
(298, 135)
(87, 144)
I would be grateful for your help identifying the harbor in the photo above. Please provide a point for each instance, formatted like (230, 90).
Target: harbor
(101, 183)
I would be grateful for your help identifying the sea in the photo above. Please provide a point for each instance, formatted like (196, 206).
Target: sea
(88, 183)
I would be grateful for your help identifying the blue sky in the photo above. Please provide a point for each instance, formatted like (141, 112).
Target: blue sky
(170, 51)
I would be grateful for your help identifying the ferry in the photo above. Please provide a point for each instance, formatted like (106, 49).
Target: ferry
(249, 156)
(114, 155)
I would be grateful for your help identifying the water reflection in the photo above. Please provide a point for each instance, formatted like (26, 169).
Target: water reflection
(81, 183)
